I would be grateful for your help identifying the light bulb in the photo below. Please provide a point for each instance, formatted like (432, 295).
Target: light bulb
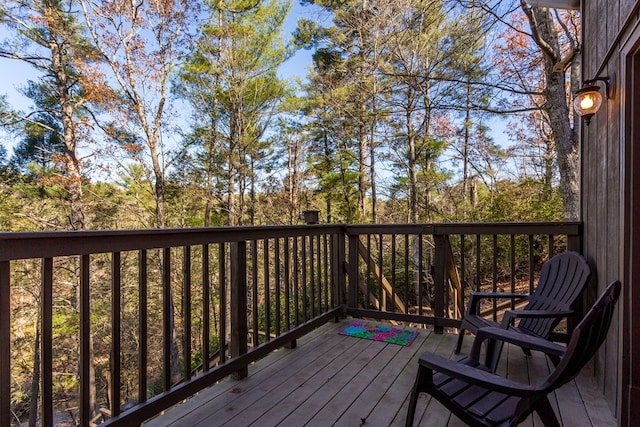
(587, 102)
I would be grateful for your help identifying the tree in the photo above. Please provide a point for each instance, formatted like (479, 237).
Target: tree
(420, 98)
(48, 37)
(357, 37)
(539, 66)
(141, 43)
(558, 41)
(330, 159)
(233, 72)
(39, 147)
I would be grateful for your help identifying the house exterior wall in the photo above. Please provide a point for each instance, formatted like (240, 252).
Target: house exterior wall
(610, 32)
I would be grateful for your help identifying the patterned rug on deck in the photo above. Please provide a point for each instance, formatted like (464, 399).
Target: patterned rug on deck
(389, 334)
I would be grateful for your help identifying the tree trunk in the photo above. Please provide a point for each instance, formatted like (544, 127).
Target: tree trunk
(465, 144)
(565, 137)
(159, 183)
(372, 159)
(252, 193)
(362, 175)
(211, 149)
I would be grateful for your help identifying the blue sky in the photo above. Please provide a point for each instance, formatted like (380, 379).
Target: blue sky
(14, 74)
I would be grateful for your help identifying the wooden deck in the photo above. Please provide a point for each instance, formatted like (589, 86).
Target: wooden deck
(330, 379)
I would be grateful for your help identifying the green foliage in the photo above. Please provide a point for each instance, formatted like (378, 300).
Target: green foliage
(41, 142)
(378, 86)
(520, 202)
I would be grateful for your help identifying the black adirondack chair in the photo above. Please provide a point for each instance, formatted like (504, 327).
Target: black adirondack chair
(562, 280)
(481, 398)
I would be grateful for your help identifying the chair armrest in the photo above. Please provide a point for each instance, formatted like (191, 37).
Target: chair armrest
(475, 376)
(477, 296)
(514, 337)
(511, 315)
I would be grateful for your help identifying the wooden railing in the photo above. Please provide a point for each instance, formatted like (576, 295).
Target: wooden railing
(149, 318)
(423, 274)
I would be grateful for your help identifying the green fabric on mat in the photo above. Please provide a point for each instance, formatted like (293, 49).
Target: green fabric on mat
(375, 332)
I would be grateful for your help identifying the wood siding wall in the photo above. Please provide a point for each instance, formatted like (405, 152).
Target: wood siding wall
(607, 25)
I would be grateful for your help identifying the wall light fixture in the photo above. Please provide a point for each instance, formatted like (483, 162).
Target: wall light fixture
(588, 99)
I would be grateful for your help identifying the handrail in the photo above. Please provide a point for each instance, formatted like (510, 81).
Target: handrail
(224, 284)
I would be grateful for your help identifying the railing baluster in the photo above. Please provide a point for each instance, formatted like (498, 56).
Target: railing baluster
(319, 279)
(326, 272)
(142, 325)
(440, 261)
(255, 295)
(406, 270)
(478, 255)
(305, 295)
(186, 312)
(116, 284)
(367, 302)
(277, 283)
(46, 342)
(5, 343)
(531, 264)
(446, 289)
(383, 294)
(393, 273)
(312, 276)
(85, 342)
(206, 309)
(287, 284)
(338, 288)
(267, 291)
(296, 281)
(512, 265)
(420, 275)
(222, 339)
(167, 310)
(494, 274)
(463, 268)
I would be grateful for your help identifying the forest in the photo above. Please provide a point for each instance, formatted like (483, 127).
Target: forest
(171, 114)
(155, 114)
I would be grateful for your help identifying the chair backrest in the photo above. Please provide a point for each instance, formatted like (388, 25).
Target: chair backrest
(586, 338)
(562, 280)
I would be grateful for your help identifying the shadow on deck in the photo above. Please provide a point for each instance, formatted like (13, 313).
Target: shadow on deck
(331, 379)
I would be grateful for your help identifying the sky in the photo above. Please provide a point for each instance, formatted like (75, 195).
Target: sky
(14, 74)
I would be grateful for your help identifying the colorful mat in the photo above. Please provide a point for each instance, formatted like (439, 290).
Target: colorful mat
(383, 333)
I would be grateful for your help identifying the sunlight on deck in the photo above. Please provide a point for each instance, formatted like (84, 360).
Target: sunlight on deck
(331, 379)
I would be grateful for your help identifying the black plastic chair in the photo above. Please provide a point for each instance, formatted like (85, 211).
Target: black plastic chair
(562, 281)
(480, 398)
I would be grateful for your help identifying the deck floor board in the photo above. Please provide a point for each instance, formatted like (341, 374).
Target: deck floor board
(334, 380)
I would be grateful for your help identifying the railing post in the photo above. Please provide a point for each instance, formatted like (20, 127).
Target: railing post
(338, 274)
(46, 342)
(239, 328)
(441, 265)
(86, 382)
(574, 241)
(5, 344)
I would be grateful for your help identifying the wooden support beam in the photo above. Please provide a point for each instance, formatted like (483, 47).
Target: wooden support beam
(375, 269)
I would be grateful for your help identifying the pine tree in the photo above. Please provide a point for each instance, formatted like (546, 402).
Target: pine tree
(233, 72)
